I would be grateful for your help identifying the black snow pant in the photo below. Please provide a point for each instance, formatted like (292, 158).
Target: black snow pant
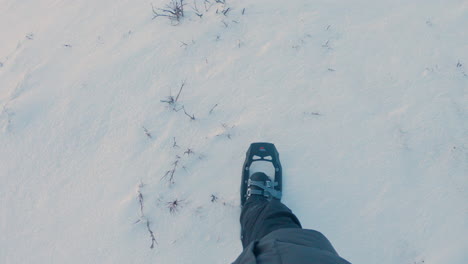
(259, 217)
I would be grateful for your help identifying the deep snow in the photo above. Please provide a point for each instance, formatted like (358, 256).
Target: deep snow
(365, 100)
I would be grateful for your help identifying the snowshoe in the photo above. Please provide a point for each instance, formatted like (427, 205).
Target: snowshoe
(259, 183)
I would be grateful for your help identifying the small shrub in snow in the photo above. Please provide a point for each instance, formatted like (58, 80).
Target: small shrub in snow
(189, 151)
(174, 206)
(174, 10)
(171, 100)
(214, 198)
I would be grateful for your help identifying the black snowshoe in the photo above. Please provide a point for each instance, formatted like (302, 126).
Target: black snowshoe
(259, 183)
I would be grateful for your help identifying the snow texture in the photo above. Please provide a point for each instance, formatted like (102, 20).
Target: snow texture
(105, 159)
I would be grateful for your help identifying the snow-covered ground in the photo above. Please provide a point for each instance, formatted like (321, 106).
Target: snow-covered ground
(367, 102)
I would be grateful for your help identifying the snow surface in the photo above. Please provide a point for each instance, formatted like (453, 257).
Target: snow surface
(367, 102)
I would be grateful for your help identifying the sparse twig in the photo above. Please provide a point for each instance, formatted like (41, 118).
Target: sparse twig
(174, 145)
(180, 90)
(192, 117)
(140, 200)
(171, 172)
(226, 132)
(189, 151)
(207, 7)
(148, 134)
(153, 239)
(170, 100)
(211, 111)
(195, 8)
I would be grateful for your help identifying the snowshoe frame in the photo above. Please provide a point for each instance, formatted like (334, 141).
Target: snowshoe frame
(262, 151)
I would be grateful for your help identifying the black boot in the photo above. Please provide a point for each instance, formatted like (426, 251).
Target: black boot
(259, 184)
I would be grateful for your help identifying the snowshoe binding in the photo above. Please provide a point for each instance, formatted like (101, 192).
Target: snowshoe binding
(259, 183)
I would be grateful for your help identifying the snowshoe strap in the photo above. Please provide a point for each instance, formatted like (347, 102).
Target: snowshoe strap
(267, 186)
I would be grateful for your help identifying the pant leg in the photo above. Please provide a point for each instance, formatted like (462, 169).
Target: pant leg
(260, 217)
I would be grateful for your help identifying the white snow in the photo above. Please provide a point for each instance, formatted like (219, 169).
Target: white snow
(366, 101)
